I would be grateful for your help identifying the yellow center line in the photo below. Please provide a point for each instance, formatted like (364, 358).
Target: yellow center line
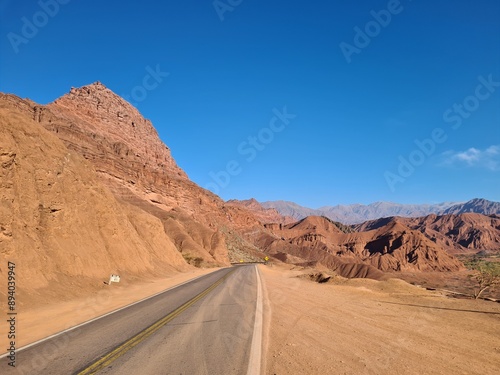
(144, 334)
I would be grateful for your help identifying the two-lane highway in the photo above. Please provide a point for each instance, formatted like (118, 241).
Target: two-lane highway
(211, 325)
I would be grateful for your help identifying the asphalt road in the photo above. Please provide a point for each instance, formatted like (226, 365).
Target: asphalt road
(211, 325)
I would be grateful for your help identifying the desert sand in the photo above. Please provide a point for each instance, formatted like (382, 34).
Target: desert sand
(363, 326)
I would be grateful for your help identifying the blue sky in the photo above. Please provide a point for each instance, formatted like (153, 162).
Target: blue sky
(317, 102)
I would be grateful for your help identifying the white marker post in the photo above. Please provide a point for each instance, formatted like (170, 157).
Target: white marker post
(114, 279)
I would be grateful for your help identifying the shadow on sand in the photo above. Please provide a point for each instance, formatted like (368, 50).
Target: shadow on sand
(442, 308)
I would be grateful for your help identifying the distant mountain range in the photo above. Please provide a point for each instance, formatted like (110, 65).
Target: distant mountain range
(479, 206)
(358, 213)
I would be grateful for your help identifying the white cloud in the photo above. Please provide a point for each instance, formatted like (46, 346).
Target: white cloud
(473, 157)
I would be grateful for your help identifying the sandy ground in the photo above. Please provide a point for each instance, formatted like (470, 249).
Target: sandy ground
(371, 327)
(38, 323)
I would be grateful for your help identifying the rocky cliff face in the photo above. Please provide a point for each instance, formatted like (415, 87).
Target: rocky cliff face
(108, 130)
(126, 150)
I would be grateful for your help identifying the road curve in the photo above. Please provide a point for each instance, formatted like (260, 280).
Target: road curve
(206, 326)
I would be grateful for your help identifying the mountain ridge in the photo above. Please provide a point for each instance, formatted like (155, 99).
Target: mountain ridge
(359, 213)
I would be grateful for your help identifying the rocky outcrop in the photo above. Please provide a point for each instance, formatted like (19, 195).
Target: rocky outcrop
(111, 133)
(126, 150)
(264, 215)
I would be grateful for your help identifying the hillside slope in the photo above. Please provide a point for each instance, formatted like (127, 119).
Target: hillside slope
(62, 227)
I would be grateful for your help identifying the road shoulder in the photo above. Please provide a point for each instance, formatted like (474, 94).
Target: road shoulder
(42, 322)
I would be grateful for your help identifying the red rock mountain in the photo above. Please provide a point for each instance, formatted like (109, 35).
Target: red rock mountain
(95, 115)
(389, 247)
(124, 151)
(463, 233)
(62, 227)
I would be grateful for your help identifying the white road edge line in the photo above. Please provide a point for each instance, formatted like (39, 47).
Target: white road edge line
(254, 363)
(102, 316)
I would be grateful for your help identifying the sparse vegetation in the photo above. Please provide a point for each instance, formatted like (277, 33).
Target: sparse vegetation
(194, 261)
(238, 248)
(486, 274)
(344, 228)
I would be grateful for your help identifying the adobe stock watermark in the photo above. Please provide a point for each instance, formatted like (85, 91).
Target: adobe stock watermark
(31, 26)
(455, 115)
(364, 36)
(150, 81)
(40, 362)
(224, 6)
(462, 111)
(250, 149)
